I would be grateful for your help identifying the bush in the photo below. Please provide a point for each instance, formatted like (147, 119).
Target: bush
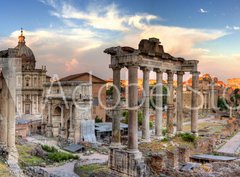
(49, 148)
(164, 132)
(98, 119)
(61, 156)
(151, 124)
(188, 137)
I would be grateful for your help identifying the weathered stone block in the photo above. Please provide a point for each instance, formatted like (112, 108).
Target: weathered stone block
(127, 163)
(172, 160)
(183, 154)
(151, 47)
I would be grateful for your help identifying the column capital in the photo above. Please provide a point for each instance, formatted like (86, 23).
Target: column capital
(145, 69)
(170, 72)
(116, 67)
(157, 70)
(49, 101)
(180, 72)
(133, 65)
(195, 73)
(170, 76)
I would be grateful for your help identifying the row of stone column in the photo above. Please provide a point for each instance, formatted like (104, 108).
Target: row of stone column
(170, 103)
(210, 98)
(133, 103)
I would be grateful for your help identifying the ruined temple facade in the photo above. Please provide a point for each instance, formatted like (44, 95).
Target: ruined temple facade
(149, 56)
(29, 80)
(210, 89)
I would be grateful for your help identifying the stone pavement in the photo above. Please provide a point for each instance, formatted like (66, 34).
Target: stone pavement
(232, 146)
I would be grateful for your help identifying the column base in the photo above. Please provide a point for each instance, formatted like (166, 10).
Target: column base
(170, 135)
(179, 132)
(71, 135)
(62, 133)
(49, 132)
(127, 163)
(146, 140)
(157, 137)
(195, 134)
(43, 128)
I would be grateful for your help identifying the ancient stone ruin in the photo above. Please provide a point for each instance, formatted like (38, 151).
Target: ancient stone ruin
(149, 56)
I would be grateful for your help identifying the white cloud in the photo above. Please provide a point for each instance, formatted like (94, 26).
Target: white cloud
(102, 17)
(203, 11)
(236, 28)
(75, 48)
(71, 65)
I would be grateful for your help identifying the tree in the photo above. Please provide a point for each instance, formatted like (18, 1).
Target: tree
(233, 101)
(222, 104)
(153, 98)
(140, 118)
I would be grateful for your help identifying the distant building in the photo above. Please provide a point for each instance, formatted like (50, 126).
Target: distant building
(27, 126)
(210, 88)
(233, 83)
(29, 81)
(97, 83)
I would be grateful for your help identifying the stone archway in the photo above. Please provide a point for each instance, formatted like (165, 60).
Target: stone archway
(56, 120)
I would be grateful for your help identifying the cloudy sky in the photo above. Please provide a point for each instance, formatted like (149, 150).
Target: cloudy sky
(69, 36)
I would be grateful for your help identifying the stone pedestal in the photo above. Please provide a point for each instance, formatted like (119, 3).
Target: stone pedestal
(184, 155)
(62, 133)
(172, 160)
(49, 132)
(126, 163)
(43, 128)
(71, 135)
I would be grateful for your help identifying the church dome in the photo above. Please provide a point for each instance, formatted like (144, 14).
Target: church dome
(24, 52)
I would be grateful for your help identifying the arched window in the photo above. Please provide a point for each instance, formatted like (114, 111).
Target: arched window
(27, 81)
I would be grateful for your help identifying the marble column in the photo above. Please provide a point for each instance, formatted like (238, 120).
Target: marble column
(71, 132)
(116, 130)
(37, 105)
(170, 104)
(145, 123)
(194, 108)
(62, 122)
(179, 100)
(4, 112)
(11, 111)
(49, 123)
(133, 111)
(204, 101)
(159, 104)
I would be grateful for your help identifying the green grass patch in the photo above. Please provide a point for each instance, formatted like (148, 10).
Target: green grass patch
(87, 170)
(188, 137)
(49, 148)
(25, 157)
(61, 156)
